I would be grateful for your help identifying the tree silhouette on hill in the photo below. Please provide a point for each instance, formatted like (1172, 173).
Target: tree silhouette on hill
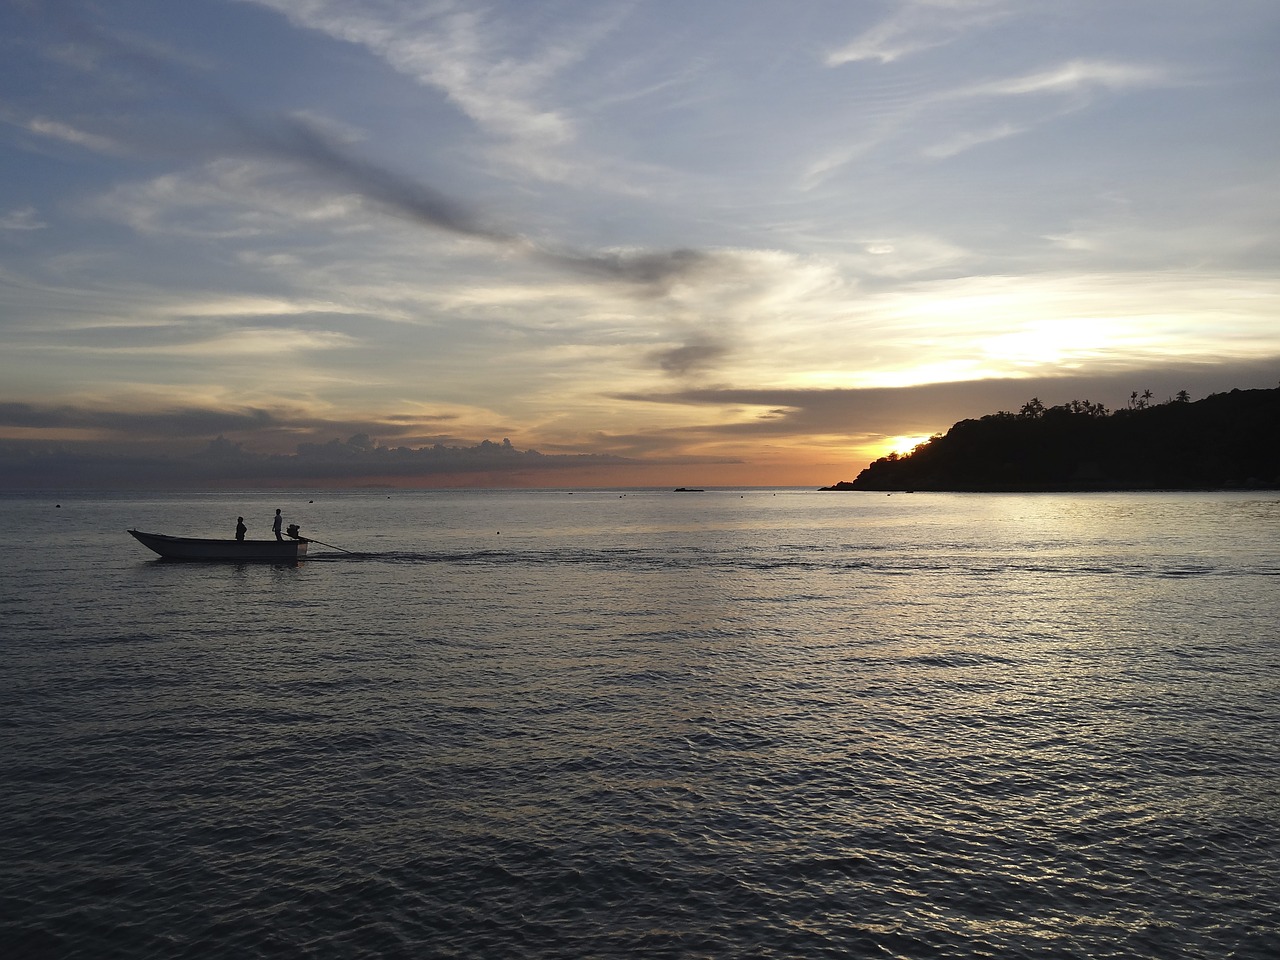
(1226, 440)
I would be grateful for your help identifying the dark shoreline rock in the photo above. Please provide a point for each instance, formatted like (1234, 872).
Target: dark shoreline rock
(1227, 441)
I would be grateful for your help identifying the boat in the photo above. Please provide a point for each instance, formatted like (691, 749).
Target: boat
(240, 551)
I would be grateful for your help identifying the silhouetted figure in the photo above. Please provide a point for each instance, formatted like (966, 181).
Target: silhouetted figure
(275, 525)
(240, 528)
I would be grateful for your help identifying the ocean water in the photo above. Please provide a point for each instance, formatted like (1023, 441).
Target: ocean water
(749, 723)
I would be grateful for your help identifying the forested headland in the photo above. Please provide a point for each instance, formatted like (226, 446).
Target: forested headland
(1224, 441)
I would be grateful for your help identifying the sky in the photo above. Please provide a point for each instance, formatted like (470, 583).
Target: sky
(614, 242)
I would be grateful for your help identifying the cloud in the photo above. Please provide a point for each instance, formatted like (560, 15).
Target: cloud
(698, 354)
(502, 70)
(305, 143)
(458, 51)
(109, 445)
(299, 140)
(1075, 76)
(967, 140)
(1047, 95)
(112, 455)
(237, 198)
(876, 413)
(188, 421)
(180, 429)
(23, 218)
(61, 131)
(916, 26)
(649, 269)
(68, 134)
(312, 146)
(211, 342)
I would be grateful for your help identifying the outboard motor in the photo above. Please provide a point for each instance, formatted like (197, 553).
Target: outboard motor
(292, 531)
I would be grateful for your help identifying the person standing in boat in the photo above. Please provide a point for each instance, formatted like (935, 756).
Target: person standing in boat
(275, 524)
(240, 528)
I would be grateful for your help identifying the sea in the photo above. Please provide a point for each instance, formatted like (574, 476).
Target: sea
(757, 723)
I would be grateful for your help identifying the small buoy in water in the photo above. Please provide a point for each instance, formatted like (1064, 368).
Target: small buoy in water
(57, 506)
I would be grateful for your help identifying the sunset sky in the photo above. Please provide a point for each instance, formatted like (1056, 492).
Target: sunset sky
(658, 242)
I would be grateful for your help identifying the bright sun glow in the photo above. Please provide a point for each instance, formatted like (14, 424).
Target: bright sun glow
(902, 445)
(1054, 341)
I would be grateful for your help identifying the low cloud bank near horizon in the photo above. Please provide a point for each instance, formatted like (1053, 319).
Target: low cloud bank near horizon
(935, 407)
(189, 448)
(26, 465)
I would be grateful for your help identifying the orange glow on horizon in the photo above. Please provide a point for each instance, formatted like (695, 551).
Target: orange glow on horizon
(609, 476)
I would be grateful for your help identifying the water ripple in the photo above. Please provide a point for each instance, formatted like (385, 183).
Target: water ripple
(1010, 727)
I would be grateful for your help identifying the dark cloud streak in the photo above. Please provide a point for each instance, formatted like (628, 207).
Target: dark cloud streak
(293, 139)
(298, 141)
(25, 466)
(932, 408)
(190, 421)
(698, 354)
(653, 271)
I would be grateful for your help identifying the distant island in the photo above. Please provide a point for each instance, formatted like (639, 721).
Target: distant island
(1225, 441)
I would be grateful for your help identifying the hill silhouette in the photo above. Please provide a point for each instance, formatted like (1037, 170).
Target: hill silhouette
(1226, 440)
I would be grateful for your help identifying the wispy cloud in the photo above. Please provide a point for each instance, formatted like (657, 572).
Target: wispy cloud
(515, 82)
(1072, 77)
(69, 134)
(1043, 95)
(1067, 88)
(468, 53)
(207, 341)
(968, 139)
(322, 152)
(61, 131)
(226, 186)
(916, 26)
(23, 218)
